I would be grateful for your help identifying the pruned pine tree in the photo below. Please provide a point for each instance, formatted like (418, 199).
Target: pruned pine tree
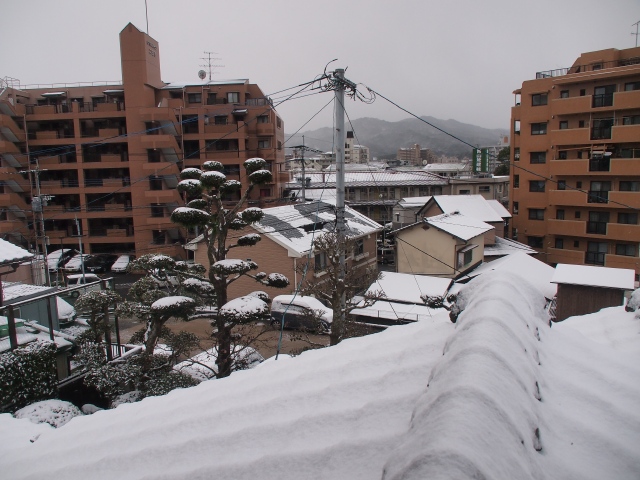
(96, 303)
(330, 288)
(205, 189)
(169, 289)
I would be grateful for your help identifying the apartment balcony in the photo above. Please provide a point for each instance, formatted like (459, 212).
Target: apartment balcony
(586, 167)
(566, 228)
(571, 136)
(572, 105)
(625, 133)
(9, 147)
(16, 200)
(560, 255)
(162, 141)
(157, 114)
(12, 226)
(265, 129)
(621, 261)
(622, 231)
(111, 234)
(567, 197)
(626, 100)
(111, 183)
(10, 129)
(106, 160)
(630, 199)
(160, 223)
(163, 196)
(52, 160)
(161, 168)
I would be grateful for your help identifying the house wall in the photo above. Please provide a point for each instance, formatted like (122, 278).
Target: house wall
(580, 300)
(441, 248)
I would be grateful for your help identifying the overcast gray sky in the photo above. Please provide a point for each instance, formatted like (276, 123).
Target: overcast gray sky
(458, 59)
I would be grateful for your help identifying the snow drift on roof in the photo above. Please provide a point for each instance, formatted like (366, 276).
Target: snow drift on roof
(404, 287)
(458, 225)
(474, 206)
(10, 253)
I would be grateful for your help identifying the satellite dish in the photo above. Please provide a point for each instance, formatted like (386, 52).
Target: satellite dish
(202, 74)
(424, 162)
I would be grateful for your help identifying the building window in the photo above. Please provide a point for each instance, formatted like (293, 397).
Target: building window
(626, 249)
(279, 145)
(576, 215)
(211, 99)
(559, 243)
(233, 97)
(601, 128)
(596, 252)
(465, 256)
(157, 210)
(603, 96)
(628, 87)
(580, 123)
(484, 188)
(155, 183)
(153, 155)
(278, 122)
(576, 244)
(599, 162)
(564, 124)
(538, 128)
(264, 142)
(515, 208)
(578, 184)
(631, 120)
(516, 181)
(358, 247)
(194, 97)
(536, 214)
(562, 155)
(560, 214)
(539, 99)
(597, 223)
(583, 92)
(220, 120)
(627, 186)
(265, 192)
(579, 153)
(562, 184)
(599, 192)
(263, 119)
(536, 186)
(320, 262)
(465, 192)
(535, 242)
(628, 218)
(538, 157)
(564, 93)
(159, 237)
(516, 154)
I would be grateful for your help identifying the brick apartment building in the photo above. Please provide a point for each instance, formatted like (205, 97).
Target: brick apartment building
(575, 150)
(110, 154)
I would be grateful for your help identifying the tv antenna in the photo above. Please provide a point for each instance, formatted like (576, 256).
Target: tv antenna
(208, 65)
(636, 32)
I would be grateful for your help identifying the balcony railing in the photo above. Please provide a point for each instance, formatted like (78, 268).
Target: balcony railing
(599, 165)
(559, 72)
(598, 196)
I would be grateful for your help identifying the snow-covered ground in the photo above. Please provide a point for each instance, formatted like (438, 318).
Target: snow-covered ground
(499, 395)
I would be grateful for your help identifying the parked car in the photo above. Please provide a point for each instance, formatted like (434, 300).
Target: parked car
(121, 263)
(203, 366)
(58, 258)
(79, 279)
(100, 263)
(301, 313)
(75, 264)
(66, 313)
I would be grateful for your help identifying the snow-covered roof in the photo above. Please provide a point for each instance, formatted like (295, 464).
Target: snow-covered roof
(590, 276)
(537, 272)
(499, 394)
(402, 312)
(499, 208)
(373, 179)
(506, 246)
(176, 85)
(440, 167)
(408, 288)
(412, 202)
(460, 226)
(295, 226)
(16, 290)
(10, 253)
(474, 206)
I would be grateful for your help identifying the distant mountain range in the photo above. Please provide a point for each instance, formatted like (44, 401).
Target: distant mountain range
(385, 138)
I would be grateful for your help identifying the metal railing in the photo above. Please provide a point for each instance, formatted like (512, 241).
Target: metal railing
(559, 72)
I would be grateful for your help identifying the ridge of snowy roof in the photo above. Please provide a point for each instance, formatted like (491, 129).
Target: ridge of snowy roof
(499, 394)
(408, 288)
(592, 276)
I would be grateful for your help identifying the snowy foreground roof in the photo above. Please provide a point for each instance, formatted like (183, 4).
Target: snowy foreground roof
(10, 253)
(590, 276)
(499, 395)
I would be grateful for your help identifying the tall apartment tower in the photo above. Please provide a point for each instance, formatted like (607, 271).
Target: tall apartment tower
(575, 150)
(110, 154)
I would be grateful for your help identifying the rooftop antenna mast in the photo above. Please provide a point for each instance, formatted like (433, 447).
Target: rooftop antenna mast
(146, 14)
(208, 65)
(636, 32)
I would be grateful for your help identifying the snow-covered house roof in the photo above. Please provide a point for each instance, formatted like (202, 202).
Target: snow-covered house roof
(447, 167)
(499, 394)
(413, 202)
(180, 85)
(590, 276)
(506, 246)
(373, 179)
(499, 208)
(407, 288)
(10, 253)
(461, 226)
(22, 291)
(475, 206)
(295, 226)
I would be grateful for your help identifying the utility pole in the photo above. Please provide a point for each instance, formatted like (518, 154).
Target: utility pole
(208, 65)
(303, 148)
(80, 247)
(340, 136)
